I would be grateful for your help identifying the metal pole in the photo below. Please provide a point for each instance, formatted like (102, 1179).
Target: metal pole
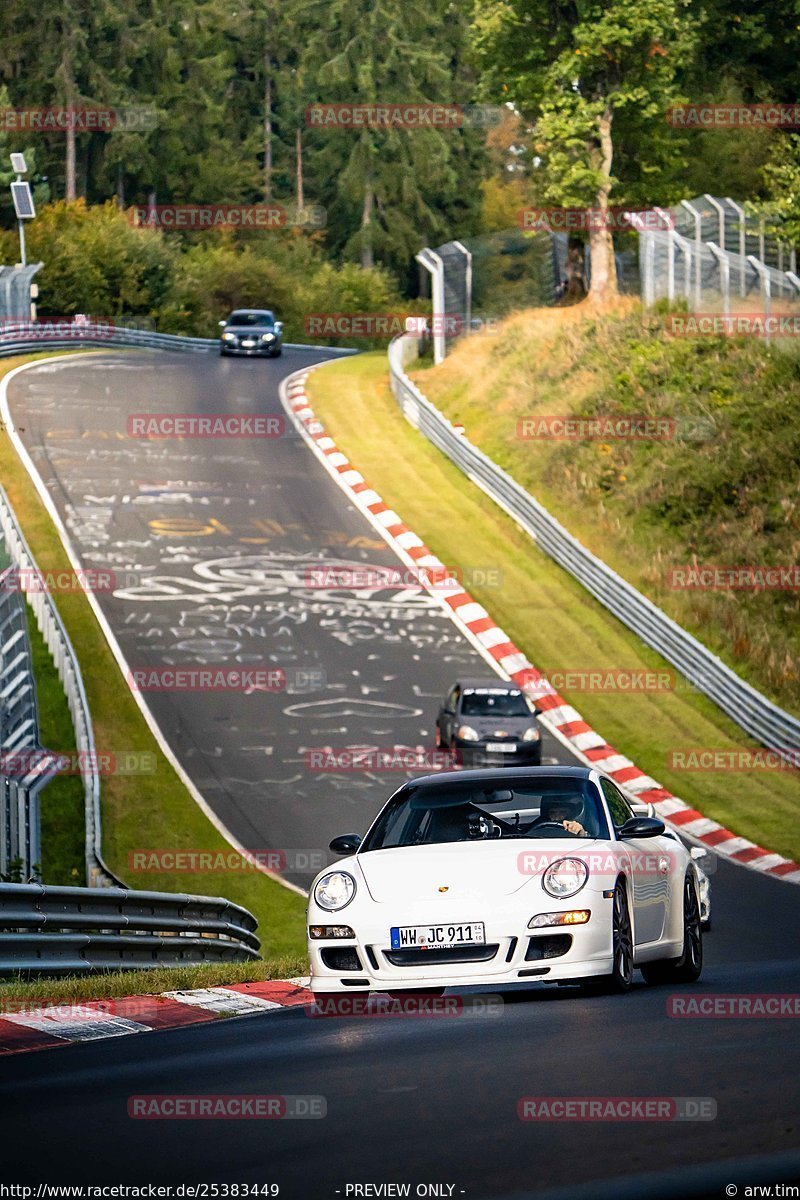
(724, 275)
(698, 239)
(766, 282)
(720, 211)
(23, 260)
(467, 284)
(742, 244)
(434, 265)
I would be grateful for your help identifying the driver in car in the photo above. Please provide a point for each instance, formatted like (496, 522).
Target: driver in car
(562, 810)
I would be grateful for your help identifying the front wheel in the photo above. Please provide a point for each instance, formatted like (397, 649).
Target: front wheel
(621, 977)
(686, 968)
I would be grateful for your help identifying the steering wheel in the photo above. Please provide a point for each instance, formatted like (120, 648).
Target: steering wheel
(551, 825)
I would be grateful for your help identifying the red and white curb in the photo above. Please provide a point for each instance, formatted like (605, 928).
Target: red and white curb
(563, 721)
(35, 1028)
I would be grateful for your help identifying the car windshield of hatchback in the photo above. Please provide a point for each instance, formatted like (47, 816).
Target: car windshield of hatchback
(251, 318)
(488, 702)
(432, 814)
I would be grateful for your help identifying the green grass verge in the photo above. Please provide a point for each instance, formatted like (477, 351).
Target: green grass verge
(152, 811)
(546, 612)
(15, 994)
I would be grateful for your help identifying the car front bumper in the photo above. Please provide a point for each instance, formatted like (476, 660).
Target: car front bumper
(473, 755)
(266, 349)
(513, 953)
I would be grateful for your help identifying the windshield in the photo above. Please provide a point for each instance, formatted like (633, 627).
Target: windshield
(430, 814)
(493, 702)
(251, 318)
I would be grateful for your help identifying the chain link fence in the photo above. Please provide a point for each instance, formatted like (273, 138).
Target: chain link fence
(716, 256)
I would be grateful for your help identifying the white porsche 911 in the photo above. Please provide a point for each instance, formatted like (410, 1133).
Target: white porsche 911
(497, 877)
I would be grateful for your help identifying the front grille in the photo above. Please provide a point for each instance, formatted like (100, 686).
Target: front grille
(551, 946)
(432, 958)
(341, 958)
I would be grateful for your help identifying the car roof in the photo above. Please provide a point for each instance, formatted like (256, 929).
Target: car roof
(501, 774)
(486, 682)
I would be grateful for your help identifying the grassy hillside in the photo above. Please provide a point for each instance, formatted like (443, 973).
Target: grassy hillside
(722, 489)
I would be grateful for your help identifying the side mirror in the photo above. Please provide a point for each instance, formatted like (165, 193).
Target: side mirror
(346, 843)
(641, 827)
(222, 324)
(279, 326)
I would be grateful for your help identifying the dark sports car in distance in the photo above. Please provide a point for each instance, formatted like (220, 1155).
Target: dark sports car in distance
(251, 331)
(489, 722)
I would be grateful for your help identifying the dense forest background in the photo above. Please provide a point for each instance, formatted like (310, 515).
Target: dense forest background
(565, 103)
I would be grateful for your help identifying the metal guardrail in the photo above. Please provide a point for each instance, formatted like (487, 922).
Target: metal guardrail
(63, 930)
(752, 711)
(25, 768)
(66, 662)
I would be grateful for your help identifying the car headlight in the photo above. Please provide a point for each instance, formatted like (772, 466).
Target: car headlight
(565, 877)
(467, 734)
(268, 337)
(531, 735)
(227, 337)
(335, 890)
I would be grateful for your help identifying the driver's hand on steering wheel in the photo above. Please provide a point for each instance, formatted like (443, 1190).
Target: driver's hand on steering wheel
(575, 827)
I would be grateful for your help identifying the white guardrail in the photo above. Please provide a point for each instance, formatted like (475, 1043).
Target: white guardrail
(752, 712)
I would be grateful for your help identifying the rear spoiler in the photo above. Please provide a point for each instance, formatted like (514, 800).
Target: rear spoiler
(643, 810)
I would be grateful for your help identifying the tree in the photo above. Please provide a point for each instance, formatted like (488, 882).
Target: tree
(592, 76)
(388, 190)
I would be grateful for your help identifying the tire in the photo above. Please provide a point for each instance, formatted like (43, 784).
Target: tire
(277, 353)
(621, 977)
(688, 967)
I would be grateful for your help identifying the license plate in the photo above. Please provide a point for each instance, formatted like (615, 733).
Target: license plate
(440, 937)
(501, 747)
(248, 343)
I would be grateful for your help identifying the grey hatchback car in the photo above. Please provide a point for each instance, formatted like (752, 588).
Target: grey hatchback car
(488, 722)
(251, 331)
